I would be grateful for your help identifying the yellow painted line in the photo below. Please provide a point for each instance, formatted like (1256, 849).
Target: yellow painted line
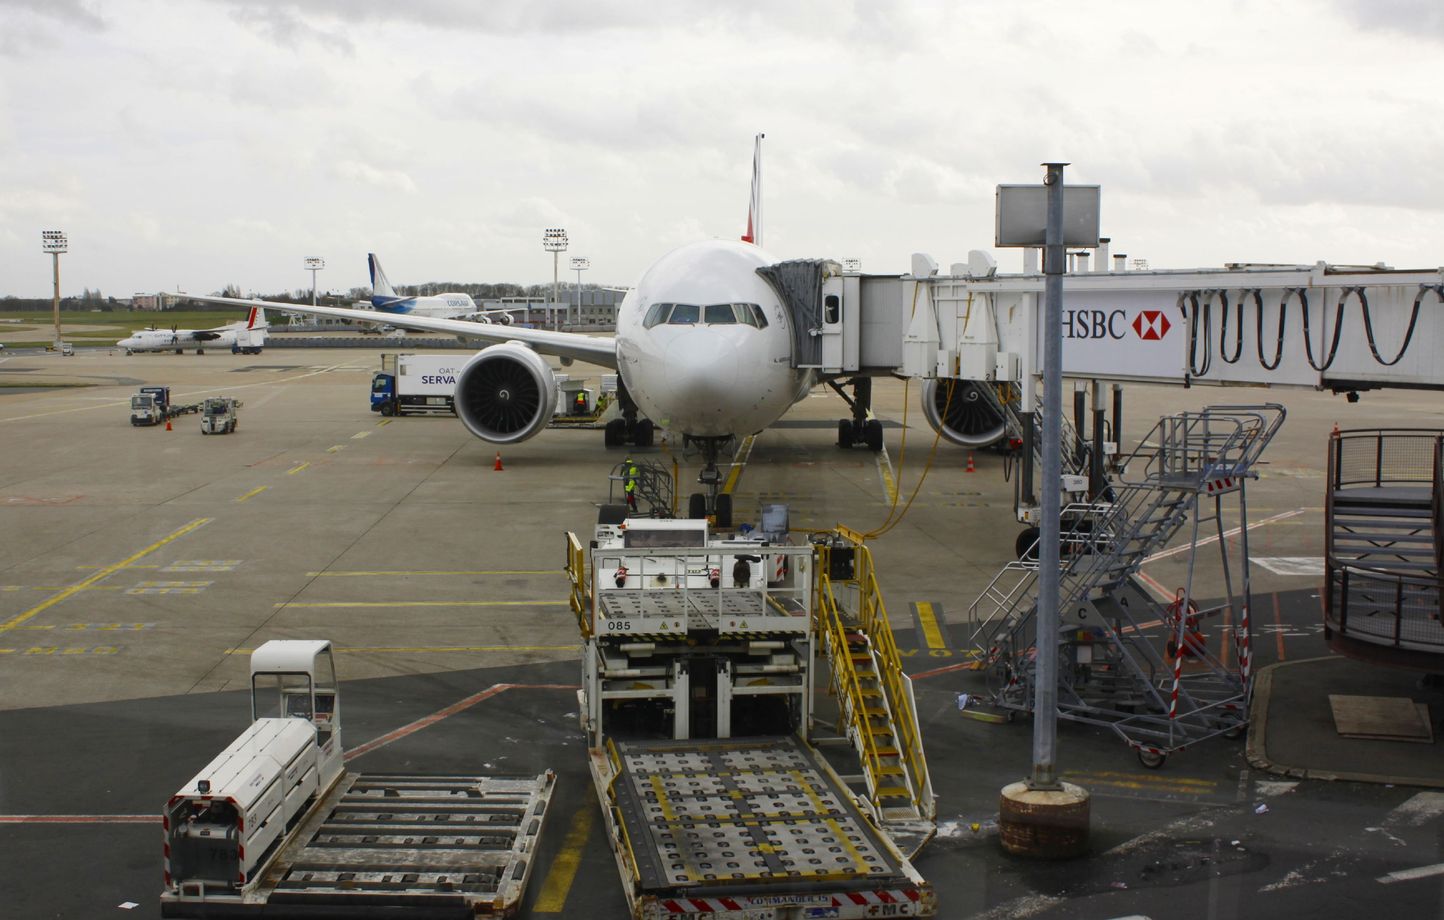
(423, 604)
(433, 649)
(558, 884)
(296, 469)
(102, 574)
(13, 588)
(143, 565)
(384, 421)
(334, 447)
(858, 863)
(434, 572)
(931, 633)
(740, 461)
(360, 434)
(253, 493)
(889, 481)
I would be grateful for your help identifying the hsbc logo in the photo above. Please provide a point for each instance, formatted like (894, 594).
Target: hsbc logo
(1151, 325)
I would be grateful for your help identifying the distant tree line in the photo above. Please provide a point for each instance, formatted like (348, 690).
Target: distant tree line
(95, 300)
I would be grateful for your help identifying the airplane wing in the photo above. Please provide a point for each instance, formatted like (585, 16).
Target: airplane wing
(599, 350)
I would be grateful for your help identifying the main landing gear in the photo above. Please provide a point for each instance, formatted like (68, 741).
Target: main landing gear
(858, 430)
(639, 432)
(711, 500)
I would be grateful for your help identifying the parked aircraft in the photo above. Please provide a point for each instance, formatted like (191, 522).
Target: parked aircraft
(384, 299)
(245, 338)
(704, 347)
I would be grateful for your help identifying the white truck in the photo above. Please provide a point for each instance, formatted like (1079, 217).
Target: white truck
(218, 415)
(416, 383)
(275, 826)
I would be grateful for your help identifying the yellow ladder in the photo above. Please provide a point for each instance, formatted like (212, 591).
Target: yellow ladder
(874, 694)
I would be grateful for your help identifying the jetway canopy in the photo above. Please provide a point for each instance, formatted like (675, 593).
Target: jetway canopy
(1321, 326)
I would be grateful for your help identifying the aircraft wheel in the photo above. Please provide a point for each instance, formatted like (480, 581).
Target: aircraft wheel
(696, 506)
(872, 435)
(844, 432)
(1024, 547)
(724, 510)
(200, 351)
(1151, 760)
(615, 433)
(644, 434)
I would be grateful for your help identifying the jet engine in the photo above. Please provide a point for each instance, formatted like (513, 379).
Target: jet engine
(506, 394)
(961, 410)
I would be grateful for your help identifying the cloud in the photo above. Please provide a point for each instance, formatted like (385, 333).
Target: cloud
(30, 27)
(287, 28)
(356, 171)
(1411, 17)
(69, 12)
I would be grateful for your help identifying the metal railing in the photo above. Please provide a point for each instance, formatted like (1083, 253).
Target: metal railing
(1384, 608)
(1383, 456)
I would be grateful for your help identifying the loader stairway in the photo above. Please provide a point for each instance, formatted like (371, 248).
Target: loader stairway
(1383, 546)
(1113, 670)
(874, 695)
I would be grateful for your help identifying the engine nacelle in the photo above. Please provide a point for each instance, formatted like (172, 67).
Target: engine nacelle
(506, 394)
(962, 412)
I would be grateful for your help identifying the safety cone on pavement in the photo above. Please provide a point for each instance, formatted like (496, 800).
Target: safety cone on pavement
(971, 468)
(167, 425)
(1335, 432)
(497, 465)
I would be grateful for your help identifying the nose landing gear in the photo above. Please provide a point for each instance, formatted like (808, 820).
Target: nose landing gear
(710, 501)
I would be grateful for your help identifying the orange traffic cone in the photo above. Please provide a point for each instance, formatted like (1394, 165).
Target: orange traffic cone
(498, 465)
(167, 425)
(1335, 432)
(971, 468)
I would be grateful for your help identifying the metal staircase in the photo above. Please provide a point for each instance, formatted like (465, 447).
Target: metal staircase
(1383, 545)
(874, 695)
(1116, 672)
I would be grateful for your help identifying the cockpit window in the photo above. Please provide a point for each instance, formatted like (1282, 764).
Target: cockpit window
(717, 313)
(683, 314)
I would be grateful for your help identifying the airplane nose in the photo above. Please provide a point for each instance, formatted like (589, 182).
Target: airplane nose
(703, 367)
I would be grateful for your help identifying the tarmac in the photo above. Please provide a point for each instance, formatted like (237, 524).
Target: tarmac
(138, 567)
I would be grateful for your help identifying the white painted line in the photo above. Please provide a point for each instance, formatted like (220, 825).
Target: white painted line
(1301, 566)
(360, 434)
(1227, 533)
(1409, 875)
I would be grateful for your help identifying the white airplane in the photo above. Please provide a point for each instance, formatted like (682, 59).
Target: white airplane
(704, 347)
(245, 338)
(384, 299)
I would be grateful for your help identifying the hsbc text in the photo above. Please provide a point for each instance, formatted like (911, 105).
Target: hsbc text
(1094, 324)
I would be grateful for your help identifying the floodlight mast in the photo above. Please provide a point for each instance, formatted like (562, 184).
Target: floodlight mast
(554, 241)
(55, 242)
(579, 266)
(314, 265)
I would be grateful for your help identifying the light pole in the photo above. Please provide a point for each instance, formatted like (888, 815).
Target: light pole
(54, 242)
(579, 266)
(554, 241)
(314, 265)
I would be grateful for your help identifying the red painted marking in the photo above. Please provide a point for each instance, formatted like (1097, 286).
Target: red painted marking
(856, 898)
(945, 669)
(440, 714)
(79, 819)
(885, 897)
(1279, 622)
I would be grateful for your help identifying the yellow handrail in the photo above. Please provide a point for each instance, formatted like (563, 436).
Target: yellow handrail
(844, 674)
(579, 598)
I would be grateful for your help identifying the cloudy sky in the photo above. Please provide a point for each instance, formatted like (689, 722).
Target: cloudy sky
(205, 142)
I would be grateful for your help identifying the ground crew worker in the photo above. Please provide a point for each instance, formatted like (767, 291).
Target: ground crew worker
(629, 483)
(580, 406)
(741, 573)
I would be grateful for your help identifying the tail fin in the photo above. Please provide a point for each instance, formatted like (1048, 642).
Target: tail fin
(257, 319)
(380, 287)
(754, 207)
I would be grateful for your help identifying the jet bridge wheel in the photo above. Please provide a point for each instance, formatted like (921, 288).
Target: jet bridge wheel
(872, 435)
(1151, 760)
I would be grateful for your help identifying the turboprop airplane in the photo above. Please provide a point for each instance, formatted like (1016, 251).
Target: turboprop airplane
(244, 338)
(384, 299)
